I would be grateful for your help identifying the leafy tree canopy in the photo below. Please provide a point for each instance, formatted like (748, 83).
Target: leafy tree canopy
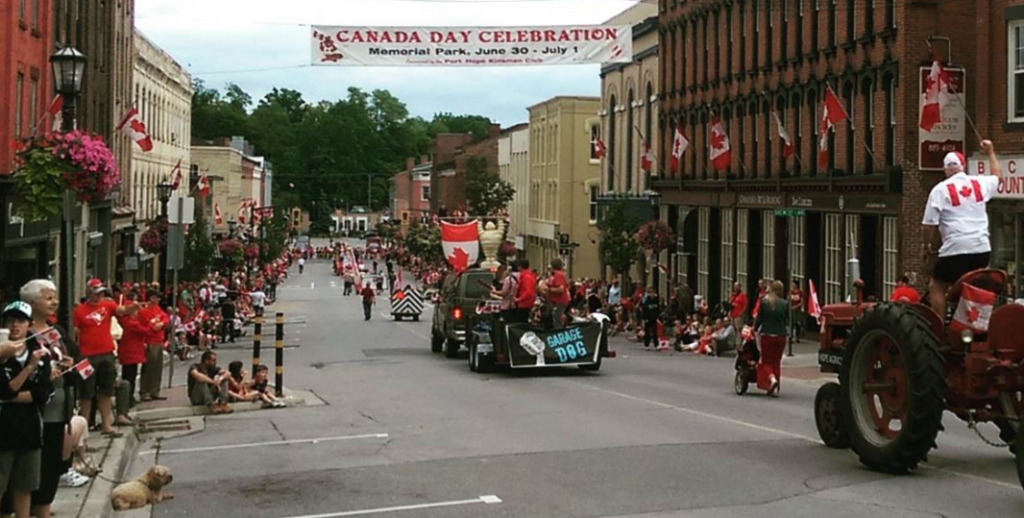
(486, 192)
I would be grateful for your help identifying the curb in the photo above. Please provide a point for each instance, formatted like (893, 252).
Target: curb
(293, 398)
(97, 498)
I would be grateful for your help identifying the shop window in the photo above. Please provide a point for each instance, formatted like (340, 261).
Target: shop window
(703, 251)
(768, 235)
(1016, 72)
(890, 253)
(834, 267)
(728, 249)
(742, 248)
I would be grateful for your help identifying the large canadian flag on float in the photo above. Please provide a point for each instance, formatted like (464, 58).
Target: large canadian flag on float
(974, 310)
(460, 243)
(133, 126)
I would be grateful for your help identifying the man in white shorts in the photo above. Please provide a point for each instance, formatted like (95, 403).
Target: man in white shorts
(956, 210)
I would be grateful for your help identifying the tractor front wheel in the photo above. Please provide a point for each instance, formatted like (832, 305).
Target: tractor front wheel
(892, 388)
(828, 417)
(1020, 454)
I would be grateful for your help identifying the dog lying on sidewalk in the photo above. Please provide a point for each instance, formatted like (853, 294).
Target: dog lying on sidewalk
(145, 490)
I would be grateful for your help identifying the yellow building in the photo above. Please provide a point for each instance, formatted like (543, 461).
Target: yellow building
(564, 185)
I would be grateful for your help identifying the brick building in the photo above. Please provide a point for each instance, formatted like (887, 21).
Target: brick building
(26, 32)
(410, 190)
(746, 61)
(450, 154)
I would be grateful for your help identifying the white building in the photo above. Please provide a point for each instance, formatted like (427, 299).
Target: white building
(514, 168)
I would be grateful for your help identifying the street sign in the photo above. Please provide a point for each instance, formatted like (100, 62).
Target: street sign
(188, 207)
(563, 239)
(790, 213)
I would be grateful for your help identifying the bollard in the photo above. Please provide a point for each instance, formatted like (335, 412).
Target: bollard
(279, 356)
(257, 341)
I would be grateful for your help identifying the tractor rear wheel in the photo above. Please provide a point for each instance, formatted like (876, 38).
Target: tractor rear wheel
(892, 388)
(829, 418)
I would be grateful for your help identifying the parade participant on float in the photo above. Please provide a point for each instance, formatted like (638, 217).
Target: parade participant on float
(956, 211)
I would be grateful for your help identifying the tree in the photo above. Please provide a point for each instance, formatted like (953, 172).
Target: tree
(199, 251)
(424, 241)
(214, 116)
(486, 193)
(619, 249)
(445, 122)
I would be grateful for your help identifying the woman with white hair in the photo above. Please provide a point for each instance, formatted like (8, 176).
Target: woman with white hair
(63, 432)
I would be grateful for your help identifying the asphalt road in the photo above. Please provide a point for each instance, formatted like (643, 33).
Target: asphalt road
(409, 433)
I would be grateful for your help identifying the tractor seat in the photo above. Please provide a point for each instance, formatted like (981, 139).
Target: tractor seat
(986, 279)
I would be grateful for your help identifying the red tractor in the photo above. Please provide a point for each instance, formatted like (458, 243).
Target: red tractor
(900, 366)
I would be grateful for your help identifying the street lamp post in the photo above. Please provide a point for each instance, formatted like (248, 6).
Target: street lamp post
(68, 67)
(163, 193)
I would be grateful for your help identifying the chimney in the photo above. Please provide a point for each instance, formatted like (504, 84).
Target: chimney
(410, 162)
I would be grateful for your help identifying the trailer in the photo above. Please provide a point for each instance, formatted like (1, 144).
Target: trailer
(406, 302)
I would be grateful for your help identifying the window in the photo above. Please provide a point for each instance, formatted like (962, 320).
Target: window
(812, 108)
(768, 233)
(648, 121)
(1016, 72)
(19, 108)
(671, 68)
(742, 247)
(21, 11)
(785, 30)
(868, 93)
(728, 249)
(798, 131)
(743, 137)
(681, 50)
(869, 17)
(771, 33)
(425, 193)
(799, 27)
(797, 228)
(851, 19)
(757, 34)
(718, 47)
(889, 84)
(593, 204)
(743, 38)
(833, 27)
(890, 253)
(890, 14)
(610, 144)
(693, 38)
(769, 132)
(33, 94)
(815, 22)
(851, 238)
(728, 45)
(834, 266)
(851, 129)
(754, 164)
(35, 15)
(707, 46)
(703, 249)
(630, 169)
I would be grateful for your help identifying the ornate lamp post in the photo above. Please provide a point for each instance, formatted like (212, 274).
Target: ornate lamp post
(68, 67)
(164, 190)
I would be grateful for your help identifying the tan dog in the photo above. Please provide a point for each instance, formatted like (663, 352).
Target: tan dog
(145, 490)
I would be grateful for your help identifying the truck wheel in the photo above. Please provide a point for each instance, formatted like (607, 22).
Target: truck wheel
(415, 318)
(451, 348)
(436, 342)
(472, 355)
(1020, 454)
(892, 388)
(593, 367)
(828, 418)
(740, 383)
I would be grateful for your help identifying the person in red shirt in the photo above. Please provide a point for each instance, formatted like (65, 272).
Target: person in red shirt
(526, 293)
(738, 308)
(558, 295)
(904, 292)
(369, 299)
(131, 349)
(796, 305)
(155, 321)
(91, 320)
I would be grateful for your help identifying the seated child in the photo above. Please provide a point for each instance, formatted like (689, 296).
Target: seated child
(260, 384)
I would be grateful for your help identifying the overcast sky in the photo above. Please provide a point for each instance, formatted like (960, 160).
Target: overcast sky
(238, 36)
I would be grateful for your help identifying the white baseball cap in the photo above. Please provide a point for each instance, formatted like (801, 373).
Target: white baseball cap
(954, 158)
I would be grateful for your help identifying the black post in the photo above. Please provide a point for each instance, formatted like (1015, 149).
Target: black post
(257, 341)
(67, 231)
(162, 274)
(279, 356)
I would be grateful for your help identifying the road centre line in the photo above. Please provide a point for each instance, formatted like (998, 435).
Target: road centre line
(776, 431)
(315, 440)
(486, 499)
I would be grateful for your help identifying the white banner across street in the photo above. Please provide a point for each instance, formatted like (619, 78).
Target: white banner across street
(471, 46)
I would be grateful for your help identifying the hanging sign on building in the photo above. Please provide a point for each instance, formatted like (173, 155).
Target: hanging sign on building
(950, 133)
(1012, 184)
(471, 46)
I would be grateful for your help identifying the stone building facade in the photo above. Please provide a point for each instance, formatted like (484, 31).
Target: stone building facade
(514, 168)
(564, 180)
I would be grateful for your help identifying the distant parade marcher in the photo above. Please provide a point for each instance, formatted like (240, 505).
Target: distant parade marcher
(369, 299)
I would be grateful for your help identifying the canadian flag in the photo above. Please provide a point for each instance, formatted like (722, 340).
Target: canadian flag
(133, 126)
(176, 176)
(936, 87)
(55, 111)
(647, 158)
(84, 369)
(599, 148)
(831, 114)
(813, 307)
(787, 143)
(460, 244)
(204, 186)
(721, 151)
(679, 145)
(974, 310)
(218, 218)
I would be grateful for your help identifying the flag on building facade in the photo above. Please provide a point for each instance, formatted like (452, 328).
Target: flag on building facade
(218, 218)
(936, 88)
(647, 158)
(176, 176)
(460, 244)
(203, 187)
(133, 126)
(721, 150)
(679, 145)
(599, 148)
(832, 113)
(788, 149)
(56, 112)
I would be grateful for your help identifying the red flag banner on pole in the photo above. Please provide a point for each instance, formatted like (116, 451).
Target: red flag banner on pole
(832, 113)
(460, 244)
(787, 143)
(647, 158)
(204, 186)
(218, 218)
(813, 307)
(176, 176)
(599, 148)
(133, 126)
(721, 150)
(935, 89)
(679, 145)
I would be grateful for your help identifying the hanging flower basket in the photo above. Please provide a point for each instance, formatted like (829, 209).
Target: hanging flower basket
(655, 236)
(230, 248)
(49, 165)
(154, 239)
(252, 251)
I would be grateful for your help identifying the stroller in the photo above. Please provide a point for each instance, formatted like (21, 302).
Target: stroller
(747, 358)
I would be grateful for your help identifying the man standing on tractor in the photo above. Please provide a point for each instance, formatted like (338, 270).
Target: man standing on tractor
(956, 209)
